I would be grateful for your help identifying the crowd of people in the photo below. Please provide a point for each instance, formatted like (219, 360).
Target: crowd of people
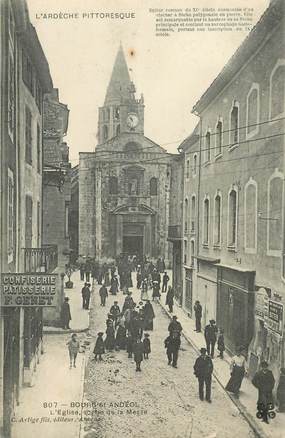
(127, 328)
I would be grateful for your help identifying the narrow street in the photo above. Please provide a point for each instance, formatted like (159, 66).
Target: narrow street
(159, 401)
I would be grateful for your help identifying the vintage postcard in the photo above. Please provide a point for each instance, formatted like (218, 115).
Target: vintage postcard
(142, 219)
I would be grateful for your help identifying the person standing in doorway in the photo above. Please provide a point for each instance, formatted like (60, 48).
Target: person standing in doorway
(198, 315)
(211, 337)
(203, 370)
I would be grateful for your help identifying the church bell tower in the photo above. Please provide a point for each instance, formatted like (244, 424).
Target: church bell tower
(122, 112)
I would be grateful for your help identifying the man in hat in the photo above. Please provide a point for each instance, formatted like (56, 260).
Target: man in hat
(85, 292)
(165, 280)
(211, 336)
(103, 294)
(175, 326)
(203, 370)
(65, 314)
(198, 315)
(172, 344)
(264, 381)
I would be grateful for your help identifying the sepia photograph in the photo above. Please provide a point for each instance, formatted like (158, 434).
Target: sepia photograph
(142, 231)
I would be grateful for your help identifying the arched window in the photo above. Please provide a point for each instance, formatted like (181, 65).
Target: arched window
(207, 147)
(117, 113)
(250, 219)
(107, 113)
(192, 250)
(193, 213)
(194, 169)
(219, 138)
(252, 111)
(188, 169)
(186, 215)
(217, 220)
(118, 130)
(153, 186)
(234, 122)
(277, 89)
(105, 132)
(232, 218)
(206, 219)
(274, 214)
(113, 185)
(185, 252)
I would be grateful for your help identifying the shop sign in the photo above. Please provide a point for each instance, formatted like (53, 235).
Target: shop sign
(274, 321)
(28, 290)
(261, 303)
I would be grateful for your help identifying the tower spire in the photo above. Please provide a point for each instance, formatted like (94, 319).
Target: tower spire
(120, 87)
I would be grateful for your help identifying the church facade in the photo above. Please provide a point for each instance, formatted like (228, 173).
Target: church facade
(124, 186)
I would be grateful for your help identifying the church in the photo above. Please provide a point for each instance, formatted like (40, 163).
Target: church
(124, 186)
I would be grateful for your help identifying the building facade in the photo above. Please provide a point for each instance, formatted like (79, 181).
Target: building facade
(234, 197)
(175, 228)
(25, 78)
(124, 185)
(56, 192)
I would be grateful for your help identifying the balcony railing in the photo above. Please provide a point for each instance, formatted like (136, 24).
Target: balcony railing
(42, 259)
(175, 232)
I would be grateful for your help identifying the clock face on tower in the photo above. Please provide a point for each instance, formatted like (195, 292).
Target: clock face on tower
(132, 120)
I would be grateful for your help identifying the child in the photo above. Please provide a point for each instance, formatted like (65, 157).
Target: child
(138, 353)
(129, 344)
(146, 346)
(281, 391)
(221, 344)
(73, 348)
(99, 348)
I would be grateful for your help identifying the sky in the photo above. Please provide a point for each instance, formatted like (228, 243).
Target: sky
(172, 72)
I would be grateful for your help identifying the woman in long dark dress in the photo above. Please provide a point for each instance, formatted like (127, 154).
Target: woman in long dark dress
(114, 285)
(155, 291)
(110, 338)
(121, 337)
(148, 316)
(237, 373)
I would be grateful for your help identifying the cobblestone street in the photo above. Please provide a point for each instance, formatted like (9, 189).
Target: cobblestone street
(159, 401)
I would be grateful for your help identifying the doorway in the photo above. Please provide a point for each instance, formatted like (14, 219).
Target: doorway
(133, 245)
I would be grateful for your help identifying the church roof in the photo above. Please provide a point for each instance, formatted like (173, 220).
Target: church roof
(120, 87)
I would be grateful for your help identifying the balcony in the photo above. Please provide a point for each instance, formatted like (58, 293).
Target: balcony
(175, 232)
(42, 259)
